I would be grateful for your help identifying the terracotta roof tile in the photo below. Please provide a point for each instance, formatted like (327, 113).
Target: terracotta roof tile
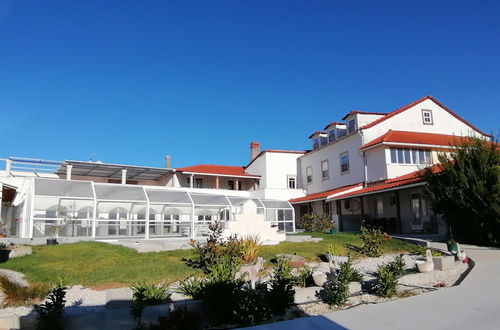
(324, 194)
(364, 113)
(416, 138)
(217, 169)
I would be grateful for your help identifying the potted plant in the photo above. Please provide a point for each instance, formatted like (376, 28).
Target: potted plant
(333, 230)
(452, 245)
(4, 253)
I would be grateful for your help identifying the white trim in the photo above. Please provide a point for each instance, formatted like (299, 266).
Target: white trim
(435, 146)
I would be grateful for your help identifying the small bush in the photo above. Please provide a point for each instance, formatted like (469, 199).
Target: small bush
(250, 246)
(191, 287)
(373, 241)
(304, 278)
(313, 222)
(281, 292)
(336, 289)
(351, 274)
(397, 266)
(251, 307)
(148, 294)
(50, 314)
(386, 282)
(15, 294)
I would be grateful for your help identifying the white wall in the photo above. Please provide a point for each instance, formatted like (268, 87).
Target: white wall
(377, 163)
(411, 120)
(332, 152)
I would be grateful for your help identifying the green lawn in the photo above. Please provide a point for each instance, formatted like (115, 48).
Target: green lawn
(100, 264)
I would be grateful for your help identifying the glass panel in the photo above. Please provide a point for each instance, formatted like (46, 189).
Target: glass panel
(421, 156)
(414, 156)
(161, 196)
(276, 204)
(119, 192)
(394, 155)
(401, 157)
(63, 188)
(206, 199)
(407, 156)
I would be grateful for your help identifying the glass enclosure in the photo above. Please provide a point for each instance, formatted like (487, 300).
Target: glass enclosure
(103, 210)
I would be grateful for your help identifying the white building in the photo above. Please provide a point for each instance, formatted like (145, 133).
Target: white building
(365, 168)
(361, 168)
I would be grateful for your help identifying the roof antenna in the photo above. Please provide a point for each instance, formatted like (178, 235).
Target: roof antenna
(92, 156)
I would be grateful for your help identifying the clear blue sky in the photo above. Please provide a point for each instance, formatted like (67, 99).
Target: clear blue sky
(132, 81)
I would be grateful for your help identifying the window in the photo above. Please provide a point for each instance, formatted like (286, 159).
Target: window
(427, 117)
(344, 163)
(410, 156)
(198, 183)
(331, 135)
(239, 185)
(326, 208)
(315, 143)
(351, 125)
(378, 204)
(309, 175)
(292, 182)
(324, 170)
(230, 184)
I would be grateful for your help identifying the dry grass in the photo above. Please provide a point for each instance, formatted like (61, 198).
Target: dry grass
(14, 294)
(250, 248)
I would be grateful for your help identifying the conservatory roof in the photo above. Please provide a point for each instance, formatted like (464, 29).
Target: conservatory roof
(106, 170)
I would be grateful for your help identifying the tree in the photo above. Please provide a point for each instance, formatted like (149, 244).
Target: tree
(467, 191)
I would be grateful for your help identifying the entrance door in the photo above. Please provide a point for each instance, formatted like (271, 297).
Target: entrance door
(416, 211)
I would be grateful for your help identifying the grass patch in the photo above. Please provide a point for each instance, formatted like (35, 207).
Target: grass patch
(102, 265)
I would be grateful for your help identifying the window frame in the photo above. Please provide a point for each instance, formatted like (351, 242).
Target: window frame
(323, 177)
(353, 121)
(341, 155)
(425, 111)
(288, 180)
(309, 169)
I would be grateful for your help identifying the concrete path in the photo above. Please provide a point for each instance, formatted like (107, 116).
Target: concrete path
(474, 304)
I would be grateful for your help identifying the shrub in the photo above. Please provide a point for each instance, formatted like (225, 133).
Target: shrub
(313, 222)
(386, 282)
(209, 253)
(351, 274)
(303, 277)
(373, 241)
(250, 246)
(336, 289)
(397, 266)
(281, 292)
(251, 307)
(191, 287)
(50, 314)
(15, 294)
(148, 294)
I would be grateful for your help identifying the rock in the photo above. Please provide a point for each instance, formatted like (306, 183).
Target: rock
(443, 262)
(20, 251)
(319, 278)
(354, 288)
(304, 295)
(14, 276)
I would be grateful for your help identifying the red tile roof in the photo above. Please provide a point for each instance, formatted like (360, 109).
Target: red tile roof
(408, 106)
(323, 194)
(404, 180)
(334, 123)
(416, 138)
(364, 113)
(217, 169)
(317, 132)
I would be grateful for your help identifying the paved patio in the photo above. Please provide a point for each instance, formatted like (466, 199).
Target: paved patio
(475, 304)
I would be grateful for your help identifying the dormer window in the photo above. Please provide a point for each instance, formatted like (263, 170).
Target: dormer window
(427, 117)
(331, 135)
(316, 143)
(351, 126)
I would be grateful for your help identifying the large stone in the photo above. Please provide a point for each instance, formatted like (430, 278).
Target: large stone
(355, 288)
(319, 278)
(305, 295)
(14, 276)
(20, 251)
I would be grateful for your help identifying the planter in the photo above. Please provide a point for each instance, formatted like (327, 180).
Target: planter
(452, 247)
(4, 255)
(424, 266)
(51, 241)
(333, 231)
(251, 271)
(337, 259)
(294, 260)
(443, 262)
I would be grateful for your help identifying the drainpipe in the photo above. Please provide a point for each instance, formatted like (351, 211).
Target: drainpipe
(360, 133)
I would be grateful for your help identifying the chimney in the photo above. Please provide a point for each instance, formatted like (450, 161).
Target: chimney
(254, 149)
(167, 161)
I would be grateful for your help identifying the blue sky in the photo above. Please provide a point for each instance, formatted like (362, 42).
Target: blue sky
(132, 81)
